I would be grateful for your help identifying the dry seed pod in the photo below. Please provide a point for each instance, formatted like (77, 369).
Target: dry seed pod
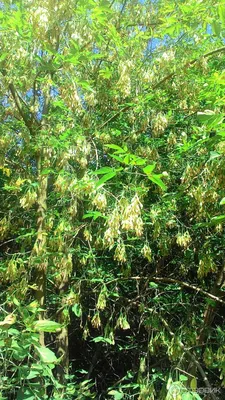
(96, 321)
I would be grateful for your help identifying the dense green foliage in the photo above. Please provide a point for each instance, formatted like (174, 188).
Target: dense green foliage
(112, 199)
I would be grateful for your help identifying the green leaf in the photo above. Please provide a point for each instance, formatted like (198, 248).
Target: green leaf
(25, 394)
(211, 302)
(16, 302)
(210, 119)
(105, 73)
(148, 169)
(77, 310)
(115, 147)
(222, 202)
(99, 339)
(127, 159)
(3, 56)
(120, 159)
(221, 12)
(213, 155)
(187, 396)
(46, 326)
(117, 395)
(183, 378)
(196, 396)
(93, 214)
(103, 170)
(46, 355)
(13, 332)
(19, 352)
(156, 179)
(193, 384)
(137, 160)
(82, 371)
(218, 219)
(153, 285)
(220, 133)
(216, 27)
(34, 373)
(104, 179)
(47, 171)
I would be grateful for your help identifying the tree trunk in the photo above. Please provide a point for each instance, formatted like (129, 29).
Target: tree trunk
(62, 340)
(40, 245)
(209, 316)
(210, 310)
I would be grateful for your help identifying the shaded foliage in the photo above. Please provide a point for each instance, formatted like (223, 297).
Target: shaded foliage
(112, 195)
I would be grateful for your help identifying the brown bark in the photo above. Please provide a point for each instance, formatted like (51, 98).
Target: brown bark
(210, 310)
(62, 344)
(62, 339)
(39, 249)
(208, 319)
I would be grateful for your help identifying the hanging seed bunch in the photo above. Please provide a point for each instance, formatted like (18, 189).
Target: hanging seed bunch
(4, 227)
(124, 82)
(206, 265)
(125, 217)
(159, 124)
(72, 98)
(183, 239)
(147, 253)
(131, 216)
(102, 298)
(120, 253)
(113, 230)
(29, 199)
(96, 321)
(100, 201)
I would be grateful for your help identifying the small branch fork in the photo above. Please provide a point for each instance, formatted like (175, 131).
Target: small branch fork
(18, 100)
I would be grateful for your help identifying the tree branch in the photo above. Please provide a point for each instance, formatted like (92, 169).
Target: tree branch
(19, 107)
(115, 116)
(187, 65)
(174, 281)
(166, 78)
(189, 286)
(210, 311)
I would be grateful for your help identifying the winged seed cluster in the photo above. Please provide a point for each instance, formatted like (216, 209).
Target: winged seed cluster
(125, 217)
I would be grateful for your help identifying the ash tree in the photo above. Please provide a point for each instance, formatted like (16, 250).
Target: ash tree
(112, 196)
